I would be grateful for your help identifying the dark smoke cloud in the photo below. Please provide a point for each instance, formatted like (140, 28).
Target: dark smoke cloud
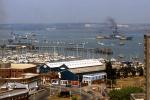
(111, 22)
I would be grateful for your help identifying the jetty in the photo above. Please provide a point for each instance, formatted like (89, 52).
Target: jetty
(94, 50)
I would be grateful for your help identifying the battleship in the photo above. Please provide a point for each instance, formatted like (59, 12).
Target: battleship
(115, 34)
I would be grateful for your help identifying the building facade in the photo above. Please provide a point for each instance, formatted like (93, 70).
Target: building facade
(15, 70)
(28, 81)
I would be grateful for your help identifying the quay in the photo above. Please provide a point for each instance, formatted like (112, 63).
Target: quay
(95, 50)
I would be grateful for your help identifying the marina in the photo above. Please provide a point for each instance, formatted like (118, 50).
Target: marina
(50, 65)
(75, 45)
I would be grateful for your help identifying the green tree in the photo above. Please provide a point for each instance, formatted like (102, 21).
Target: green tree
(141, 71)
(124, 93)
(109, 69)
(111, 73)
(74, 98)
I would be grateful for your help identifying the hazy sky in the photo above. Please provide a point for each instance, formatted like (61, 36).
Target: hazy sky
(66, 11)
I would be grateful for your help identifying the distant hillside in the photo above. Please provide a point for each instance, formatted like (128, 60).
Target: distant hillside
(61, 26)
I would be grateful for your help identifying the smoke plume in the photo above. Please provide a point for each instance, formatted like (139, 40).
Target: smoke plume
(111, 22)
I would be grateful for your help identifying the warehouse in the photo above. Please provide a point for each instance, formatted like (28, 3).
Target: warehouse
(79, 66)
(76, 63)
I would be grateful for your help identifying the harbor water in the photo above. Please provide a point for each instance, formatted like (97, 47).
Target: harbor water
(58, 38)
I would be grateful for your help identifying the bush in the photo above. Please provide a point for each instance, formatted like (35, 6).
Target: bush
(64, 94)
(74, 98)
(124, 93)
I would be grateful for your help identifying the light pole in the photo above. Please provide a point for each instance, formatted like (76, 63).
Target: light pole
(80, 90)
(79, 86)
(35, 92)
(70, 94)
(77, 49)
(50, 90)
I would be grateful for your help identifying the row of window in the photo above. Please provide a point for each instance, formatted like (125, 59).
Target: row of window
(93, 78)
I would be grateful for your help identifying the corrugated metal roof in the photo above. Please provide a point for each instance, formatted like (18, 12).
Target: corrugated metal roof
(76, 63)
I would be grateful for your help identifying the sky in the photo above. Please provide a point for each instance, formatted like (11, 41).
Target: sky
(74, 11)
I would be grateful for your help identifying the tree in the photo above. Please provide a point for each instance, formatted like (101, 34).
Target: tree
(141, 71)
(124, 71)
(124, 93)
(74, 98)
(133, 71)
(109, 69)
(111, 73)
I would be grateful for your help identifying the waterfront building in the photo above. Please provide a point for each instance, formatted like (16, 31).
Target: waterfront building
(28, 81)
(15, 70)
(79, 66)
(89, 78)
(47, 77)
(55, 74)
(68, 78)
(77, 63)
(19, 76)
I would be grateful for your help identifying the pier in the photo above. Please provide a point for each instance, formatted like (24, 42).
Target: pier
(95, 50)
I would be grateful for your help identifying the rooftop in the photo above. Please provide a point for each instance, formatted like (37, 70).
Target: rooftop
(96, 74)
(88, 69)
(24, 76)
(29, 75)
(147, 35)
(22, 66)
(12, 93)
(138, 96)
(76, 63)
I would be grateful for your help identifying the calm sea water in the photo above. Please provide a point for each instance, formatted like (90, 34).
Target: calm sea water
(133, 48)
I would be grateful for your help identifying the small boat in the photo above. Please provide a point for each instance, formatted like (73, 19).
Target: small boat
(125, 38)
(121, 43)
(113, 60)
(71, 43)
(129, 38)
(121, 56)
(100, 37)
(100, 43)
(122, 38)
(140, 43)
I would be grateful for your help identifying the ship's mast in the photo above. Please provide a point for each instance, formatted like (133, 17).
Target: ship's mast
(115, 32)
